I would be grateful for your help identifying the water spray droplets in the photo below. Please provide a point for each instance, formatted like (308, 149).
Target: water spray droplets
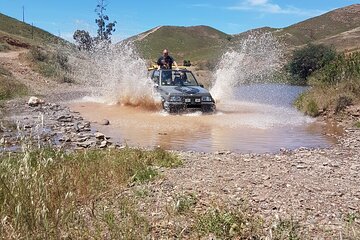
(118, 75)
(255, 60)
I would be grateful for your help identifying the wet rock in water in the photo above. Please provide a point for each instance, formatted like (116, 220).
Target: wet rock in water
(64, 118)
(86, 144)
(34, 101)
(99, 135)
(104, 122)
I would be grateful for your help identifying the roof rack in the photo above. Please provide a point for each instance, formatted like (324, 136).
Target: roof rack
(154, 67)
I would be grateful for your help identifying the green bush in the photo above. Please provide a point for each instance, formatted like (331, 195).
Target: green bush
(342, 68)
(312, 108)
(187, 63)
(309, 59)
(334, 87)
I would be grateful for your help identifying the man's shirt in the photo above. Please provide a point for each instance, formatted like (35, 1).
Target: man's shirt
(165, 62)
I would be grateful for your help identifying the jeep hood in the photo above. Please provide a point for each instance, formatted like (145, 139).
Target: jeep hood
(187, 90)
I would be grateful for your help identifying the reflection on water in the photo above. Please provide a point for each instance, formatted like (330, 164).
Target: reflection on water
(265, 124)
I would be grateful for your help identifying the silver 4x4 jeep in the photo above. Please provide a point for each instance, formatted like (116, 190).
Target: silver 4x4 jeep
(180, 91)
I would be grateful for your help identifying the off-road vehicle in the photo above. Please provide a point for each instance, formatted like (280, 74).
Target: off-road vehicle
(180, 91)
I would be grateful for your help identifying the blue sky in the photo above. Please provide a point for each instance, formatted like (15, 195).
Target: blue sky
(136, 16)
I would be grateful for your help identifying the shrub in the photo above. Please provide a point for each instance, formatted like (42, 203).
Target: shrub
(334, 86)
(51, 64)
(342, 68)
(10, 88)
(187, 63)
(312, 108)
(4, 72)
(309, 59)
(38, 54)
(342, 102)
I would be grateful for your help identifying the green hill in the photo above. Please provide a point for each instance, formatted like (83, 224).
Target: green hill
(14, 33)
(195, 43)
(340, 28)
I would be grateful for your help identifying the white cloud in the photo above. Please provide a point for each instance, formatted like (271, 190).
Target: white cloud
(257, 2)
(267, 6)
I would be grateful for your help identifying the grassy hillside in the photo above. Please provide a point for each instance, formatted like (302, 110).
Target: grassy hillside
(195, 43)
(14, 33)
(322, 27)
(340, 28)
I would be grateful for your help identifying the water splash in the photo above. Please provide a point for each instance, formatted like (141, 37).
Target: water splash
(117, 74)
(255, 60)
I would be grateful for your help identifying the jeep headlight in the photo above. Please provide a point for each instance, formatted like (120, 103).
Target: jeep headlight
(206, 99)
(175, 99)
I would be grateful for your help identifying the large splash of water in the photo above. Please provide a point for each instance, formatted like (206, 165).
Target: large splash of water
(117, 74)
(254, 60)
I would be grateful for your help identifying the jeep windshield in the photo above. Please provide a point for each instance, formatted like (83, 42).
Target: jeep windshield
(175, 78)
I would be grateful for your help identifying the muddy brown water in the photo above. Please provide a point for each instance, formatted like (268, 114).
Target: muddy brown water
(255, 122)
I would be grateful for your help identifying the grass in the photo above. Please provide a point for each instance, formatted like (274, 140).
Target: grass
(352, 228)
(229, 224)
(45, 194)
(184, 203)
(9, 87)
(286, 229)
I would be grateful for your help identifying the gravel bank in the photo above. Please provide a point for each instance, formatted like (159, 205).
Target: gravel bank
(318, 188)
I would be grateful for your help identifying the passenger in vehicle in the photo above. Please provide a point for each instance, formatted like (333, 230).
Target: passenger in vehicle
(166, 61)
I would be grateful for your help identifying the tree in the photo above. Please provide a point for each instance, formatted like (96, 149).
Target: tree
(83, 39)
(104, 32)
(187, 63)
(309, 59)
(105, 28)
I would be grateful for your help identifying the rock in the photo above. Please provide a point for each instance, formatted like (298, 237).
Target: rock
(87, 124)
(103, 144)
(82, 139)
(2, 141)
(99, 135)
(104, 122)
(86, 144)
(64, 118)
(34, 102)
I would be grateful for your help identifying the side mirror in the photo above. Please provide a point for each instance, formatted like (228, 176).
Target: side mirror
(201, 85)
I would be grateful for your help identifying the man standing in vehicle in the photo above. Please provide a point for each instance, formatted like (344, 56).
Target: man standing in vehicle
(166, 61)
